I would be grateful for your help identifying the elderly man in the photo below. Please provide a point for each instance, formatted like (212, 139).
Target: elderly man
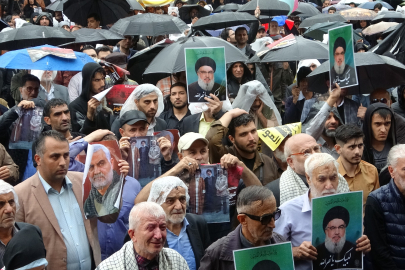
(205, 68)
(384, 216)
(186, 233)
(257, 213)
(293, 182)
(147, 230)
(341, 73)
(105, 184)
(49, 90)
(295, 223)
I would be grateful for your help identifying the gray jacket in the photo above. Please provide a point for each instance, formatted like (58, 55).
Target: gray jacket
(60, 91)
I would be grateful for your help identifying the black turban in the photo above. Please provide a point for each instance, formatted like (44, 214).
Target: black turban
(337, 212)
(265, 265)
(339, 42)
(302, 73)
(205, 61)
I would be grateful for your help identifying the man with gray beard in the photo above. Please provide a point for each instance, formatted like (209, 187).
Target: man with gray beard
(205, 68)
(105, 184)
(341, 73)
(186, 233)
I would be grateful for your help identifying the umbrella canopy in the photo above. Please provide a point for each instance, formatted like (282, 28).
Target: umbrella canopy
(171, 59)
(320, 18)
(149, 24)
(155, 3)
(57, 5)
(95, 36)
(370, 5)
(358, 14)
(20, 59)
(305, 10)
(378, 28)
(337, 6)
(223, 20)
(227, 7)
(184, 12)
(267, 7)
(393, 44)
(34, 35)
(357, 2)
(369, 68)
(319, 29)
(391, 29)
(388, 16)
(109, 11)
(300, 50)
(134, 5)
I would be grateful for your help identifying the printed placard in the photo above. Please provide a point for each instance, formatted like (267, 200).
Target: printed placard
(26, 129)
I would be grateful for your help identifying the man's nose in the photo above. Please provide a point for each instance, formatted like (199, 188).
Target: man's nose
(157, 233)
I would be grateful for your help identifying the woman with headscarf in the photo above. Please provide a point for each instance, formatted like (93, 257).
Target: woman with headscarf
(33, 17)
(29, 8)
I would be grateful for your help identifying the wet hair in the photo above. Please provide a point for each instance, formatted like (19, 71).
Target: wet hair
(241, 120)
(88, 47)
(95, 16)
(178, 84)
(103, 49)
(345, 133)
(55, 102)
(39, 144)
(29, 78)
(383, 112)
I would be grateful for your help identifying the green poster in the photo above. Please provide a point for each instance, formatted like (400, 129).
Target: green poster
(272, 257)
(341, 57)
(337, 223)
(205, 73)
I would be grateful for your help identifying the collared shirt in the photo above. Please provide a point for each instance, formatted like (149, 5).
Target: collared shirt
(145, 264)
(295, 225)
(182, 245)
(151, 127)
(51, 93)
(365, 178)
(326, 149)
(3, 246)
(204, 126)
(171, 119)
(71, 224)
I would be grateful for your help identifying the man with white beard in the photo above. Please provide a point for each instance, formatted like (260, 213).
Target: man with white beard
(205, 68)
(186, 233)
(295, 224)
(105, 184)
(341, 73)
(49, 90)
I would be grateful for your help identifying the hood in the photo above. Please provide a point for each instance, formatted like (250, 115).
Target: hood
(247, 76)
(87, 73)
(401, 99)
(32, 17)
(367, 124)
(315, 108)
(46, 14)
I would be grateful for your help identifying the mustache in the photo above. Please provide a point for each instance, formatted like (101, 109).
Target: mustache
(326, 191)
(99, 176)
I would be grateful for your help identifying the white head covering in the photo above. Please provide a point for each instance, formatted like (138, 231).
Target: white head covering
(7, 188)
(39, 73)
(163, 186)
(138, 93)
(247, 95)
(19, 22)
(308, 63)
(171, 9)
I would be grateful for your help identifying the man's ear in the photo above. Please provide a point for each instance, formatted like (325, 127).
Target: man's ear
(338, 148)
(391, 171)
(308, 179)
(290, 162)
(232, 139)
(47, 120)
(242, 219)
(37, 159)
(180, 155)
(121, 130)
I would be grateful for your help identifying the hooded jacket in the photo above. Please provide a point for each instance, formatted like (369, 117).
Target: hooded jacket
(78, 107)
(46, 14)
(368, 154)
(232, 82)
(399, 106)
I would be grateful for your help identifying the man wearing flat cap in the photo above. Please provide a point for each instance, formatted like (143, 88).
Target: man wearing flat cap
(341, 73)
(205, 68)
(336, 252)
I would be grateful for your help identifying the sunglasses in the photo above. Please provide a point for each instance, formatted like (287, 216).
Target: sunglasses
(382, 100)
(266, 218)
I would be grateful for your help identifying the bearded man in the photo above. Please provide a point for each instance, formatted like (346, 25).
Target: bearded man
(341, 73)
(205, 68)
(105, 184)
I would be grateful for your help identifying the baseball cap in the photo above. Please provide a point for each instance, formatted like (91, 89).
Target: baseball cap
(131, 117)
(188, 139)
(261, 28)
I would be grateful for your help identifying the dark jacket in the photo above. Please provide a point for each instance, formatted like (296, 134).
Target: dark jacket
(115, 126)
(219, 255)
(171, 120)
(368, 133)
(399, 107)
(78, 107)
(191, 123)
(233, 84)
(293, 111)
(384, 224)
(249, 52)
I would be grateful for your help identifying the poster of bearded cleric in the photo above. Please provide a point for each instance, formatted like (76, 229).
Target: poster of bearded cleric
(337, 222)
(102, 181)
(341, 57)
(205, 73)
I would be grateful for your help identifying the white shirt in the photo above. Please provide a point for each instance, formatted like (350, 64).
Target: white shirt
(51, 94)
(151, 127)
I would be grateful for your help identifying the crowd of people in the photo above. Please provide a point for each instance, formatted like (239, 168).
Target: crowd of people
(347, 143)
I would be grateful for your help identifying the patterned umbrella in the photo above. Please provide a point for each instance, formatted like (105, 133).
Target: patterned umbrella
(378, 28)
(154, 3)
(358, 14)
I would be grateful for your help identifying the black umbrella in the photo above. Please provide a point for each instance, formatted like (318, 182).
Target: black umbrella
(34, 35)
(305, 10)
(57, 5)
(109, 11)
(184, 12)
(171, 59)
(317, 30)
(135, 5)
(3, 24)
(96, 36)
(301, 49)
(321, 18)
(149, 24)
(373, 71)
(227, 7)
(267, 7)
(388, 16)
(223, 20)
(393, 43)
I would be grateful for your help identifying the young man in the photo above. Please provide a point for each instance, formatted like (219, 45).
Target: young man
(178, 98)
(241, 37)
(93, 21)
(44, 19)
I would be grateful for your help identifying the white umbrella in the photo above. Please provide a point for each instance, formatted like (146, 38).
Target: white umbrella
(378, 28)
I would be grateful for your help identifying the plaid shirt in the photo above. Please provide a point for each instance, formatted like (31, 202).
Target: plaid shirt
(165, 84)
(145, 264)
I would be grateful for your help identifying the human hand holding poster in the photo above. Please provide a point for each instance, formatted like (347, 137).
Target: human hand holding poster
(336, 226)
(341, 57)
(271, 257)
(205, 73)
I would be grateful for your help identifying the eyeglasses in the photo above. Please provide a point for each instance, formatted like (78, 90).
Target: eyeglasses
(333, 228)
(266, 218)
(205, 72)
(382, 100)
(307, 152)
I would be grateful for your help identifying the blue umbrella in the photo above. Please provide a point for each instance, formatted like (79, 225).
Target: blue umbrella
(20, 59)
(370, 5)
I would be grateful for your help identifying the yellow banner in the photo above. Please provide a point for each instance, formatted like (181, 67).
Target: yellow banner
(273, 136)
(154, 3)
